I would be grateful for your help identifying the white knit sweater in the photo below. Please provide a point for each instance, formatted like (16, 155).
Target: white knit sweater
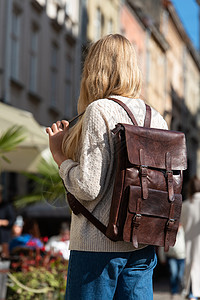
(91, 179)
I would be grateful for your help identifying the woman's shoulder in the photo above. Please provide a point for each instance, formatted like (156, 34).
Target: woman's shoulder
(107, 107)
(107, 104)
(100, 103)
(157, 120)
(100, 107)
(96, 113)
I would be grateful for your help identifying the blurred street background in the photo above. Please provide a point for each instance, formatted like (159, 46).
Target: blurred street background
(42, 48)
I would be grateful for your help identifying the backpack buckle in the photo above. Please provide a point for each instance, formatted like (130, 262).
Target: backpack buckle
(167, 172)
(170, 223)
(137, 215)
(136, 220)
(143, 170)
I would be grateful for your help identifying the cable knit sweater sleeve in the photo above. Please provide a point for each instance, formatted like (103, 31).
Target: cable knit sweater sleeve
(85, 179)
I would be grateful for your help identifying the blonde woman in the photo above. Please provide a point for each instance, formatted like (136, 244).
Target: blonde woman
(99, 268)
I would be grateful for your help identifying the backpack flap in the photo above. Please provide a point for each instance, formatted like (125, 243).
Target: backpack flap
(151, 148)
(155, 143)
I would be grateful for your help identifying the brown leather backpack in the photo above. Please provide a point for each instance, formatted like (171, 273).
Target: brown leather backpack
(147, 200)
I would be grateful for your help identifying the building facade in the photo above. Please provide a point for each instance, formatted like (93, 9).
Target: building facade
(40, 57)
(170, 67)
(134, 30)
(151, 48)
(183, 84)
(102, 18)
(40, 65)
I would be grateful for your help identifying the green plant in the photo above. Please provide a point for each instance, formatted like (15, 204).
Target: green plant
(48, 186)
(38, 279)
(10, 139)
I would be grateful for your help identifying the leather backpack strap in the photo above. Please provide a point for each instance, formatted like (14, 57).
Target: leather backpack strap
(130, 114)
(147, 120)
(77, 208)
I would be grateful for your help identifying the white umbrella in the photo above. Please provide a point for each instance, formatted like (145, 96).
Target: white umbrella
(28, 154)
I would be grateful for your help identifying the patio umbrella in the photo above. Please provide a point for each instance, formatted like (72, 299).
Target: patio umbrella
(44, 210)
(28, 154)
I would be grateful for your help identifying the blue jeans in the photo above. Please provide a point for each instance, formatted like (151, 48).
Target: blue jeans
(110, 275)
(176, 270)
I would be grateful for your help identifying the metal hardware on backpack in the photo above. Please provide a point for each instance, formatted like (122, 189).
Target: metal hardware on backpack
(146, 202)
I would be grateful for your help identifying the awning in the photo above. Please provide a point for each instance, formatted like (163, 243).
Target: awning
(44, 210)
(28, 154)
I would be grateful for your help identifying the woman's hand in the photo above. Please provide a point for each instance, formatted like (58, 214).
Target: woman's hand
(56, 133)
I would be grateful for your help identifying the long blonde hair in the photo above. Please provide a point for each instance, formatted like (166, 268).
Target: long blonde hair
(110, 68)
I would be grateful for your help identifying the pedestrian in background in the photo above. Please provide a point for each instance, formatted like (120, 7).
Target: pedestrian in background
(98, 267)
(190, 219)
(175, 259)
(59, 244)
(26, 237)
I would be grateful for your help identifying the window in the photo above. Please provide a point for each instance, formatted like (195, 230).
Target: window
(54, 74)
(165, 20)
(98, 24)
(110, 26)
(69, 8)
(68, 88)
(33, 60)
(15, 44)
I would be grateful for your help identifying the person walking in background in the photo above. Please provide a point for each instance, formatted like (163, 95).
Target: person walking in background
(7, 218)
(190, 219)
(175, 259)
(98, 267)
